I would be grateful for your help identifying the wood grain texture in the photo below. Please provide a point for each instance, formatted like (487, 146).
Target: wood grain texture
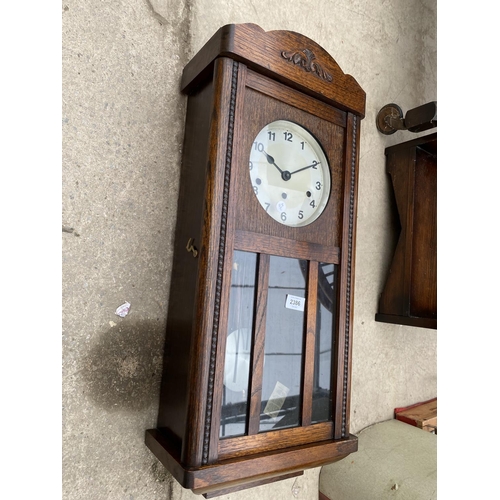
(213, 394)
(423, 287)
(274, 440)
(354, 124)
(256, 467)
(205, 320)
(262, 51)
(180, 336)
(310, 344)
(226, 491)
(233, 472)
(344, 334)
(285, 247)
(410, 292)
(259, 340)
(295, 98)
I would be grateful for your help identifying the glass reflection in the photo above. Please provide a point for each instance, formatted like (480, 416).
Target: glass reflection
(325, 327)
(283, 351)
(238, 345)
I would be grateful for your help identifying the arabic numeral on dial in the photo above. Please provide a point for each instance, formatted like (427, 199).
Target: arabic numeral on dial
(272, 136)
(283, 216)
(259, 146)
(301, 214)
(318, 185)
(251, 166)
(267, 206)
(313, 204)
(302, 144)
(256, 189)
(288, 136)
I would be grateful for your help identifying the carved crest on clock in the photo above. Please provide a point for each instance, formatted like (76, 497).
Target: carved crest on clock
(306, 59)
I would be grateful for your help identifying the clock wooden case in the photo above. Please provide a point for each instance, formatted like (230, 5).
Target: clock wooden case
(256, 375)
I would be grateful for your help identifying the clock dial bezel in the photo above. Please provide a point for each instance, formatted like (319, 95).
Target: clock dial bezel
(290, 173)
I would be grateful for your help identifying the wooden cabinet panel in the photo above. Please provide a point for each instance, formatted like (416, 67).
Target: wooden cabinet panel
(410, 293)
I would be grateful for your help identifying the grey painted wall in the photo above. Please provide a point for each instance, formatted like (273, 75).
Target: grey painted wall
(123, 121)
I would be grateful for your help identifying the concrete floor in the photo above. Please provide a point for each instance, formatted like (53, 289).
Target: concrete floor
(394, 460)
(123, 121)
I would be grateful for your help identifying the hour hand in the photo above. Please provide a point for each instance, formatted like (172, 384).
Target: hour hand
(270, 160)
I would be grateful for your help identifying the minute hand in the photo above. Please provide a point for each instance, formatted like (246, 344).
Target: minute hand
(305, 168)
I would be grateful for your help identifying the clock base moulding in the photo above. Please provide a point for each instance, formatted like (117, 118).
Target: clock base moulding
(241, 473)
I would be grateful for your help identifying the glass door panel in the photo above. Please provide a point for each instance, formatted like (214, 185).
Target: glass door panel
(284, 341)
(238, 345)
(268, 307)
(325, 329)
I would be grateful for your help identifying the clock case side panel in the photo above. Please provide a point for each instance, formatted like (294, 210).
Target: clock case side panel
(186, 371)
(185, 267)
(217, 241)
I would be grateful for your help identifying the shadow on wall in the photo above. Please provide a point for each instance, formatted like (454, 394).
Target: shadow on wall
(123, 370)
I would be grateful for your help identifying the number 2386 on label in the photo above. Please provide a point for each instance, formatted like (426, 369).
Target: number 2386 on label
(294, 302)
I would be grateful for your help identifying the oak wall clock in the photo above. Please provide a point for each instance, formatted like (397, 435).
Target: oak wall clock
(256, 377)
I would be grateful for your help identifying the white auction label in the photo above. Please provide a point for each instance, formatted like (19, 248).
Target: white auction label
(295, 303)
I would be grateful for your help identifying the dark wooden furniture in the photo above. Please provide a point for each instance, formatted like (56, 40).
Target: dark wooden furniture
(254, 390)
(410, 293)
